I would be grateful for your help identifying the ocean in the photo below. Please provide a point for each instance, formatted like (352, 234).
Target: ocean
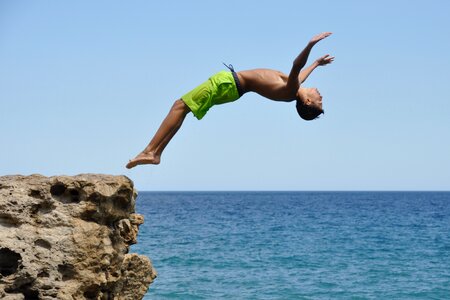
(296, 245)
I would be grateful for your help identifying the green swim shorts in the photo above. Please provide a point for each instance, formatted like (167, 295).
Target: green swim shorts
(218, 89)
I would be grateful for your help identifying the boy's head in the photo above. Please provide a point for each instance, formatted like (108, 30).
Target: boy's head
(309, 103)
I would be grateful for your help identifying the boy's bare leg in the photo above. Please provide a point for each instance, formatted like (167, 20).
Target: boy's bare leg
(169, 127)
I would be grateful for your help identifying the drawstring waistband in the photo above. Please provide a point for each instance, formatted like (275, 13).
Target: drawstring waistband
(230, 66)
(236, 79)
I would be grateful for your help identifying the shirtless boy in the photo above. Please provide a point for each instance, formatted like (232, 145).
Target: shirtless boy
(225, 87)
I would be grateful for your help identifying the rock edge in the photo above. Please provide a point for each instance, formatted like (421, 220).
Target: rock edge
(68, 237)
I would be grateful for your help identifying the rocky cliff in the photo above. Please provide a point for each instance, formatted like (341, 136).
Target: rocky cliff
(68, 237)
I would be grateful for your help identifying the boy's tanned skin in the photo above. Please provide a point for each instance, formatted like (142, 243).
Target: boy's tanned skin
(270, 84)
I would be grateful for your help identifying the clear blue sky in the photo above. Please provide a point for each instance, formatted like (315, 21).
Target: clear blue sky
(85, 84)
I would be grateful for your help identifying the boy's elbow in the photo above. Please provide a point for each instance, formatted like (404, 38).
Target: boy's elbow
(298, 65)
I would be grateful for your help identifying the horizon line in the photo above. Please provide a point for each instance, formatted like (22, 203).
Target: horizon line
(295, 191)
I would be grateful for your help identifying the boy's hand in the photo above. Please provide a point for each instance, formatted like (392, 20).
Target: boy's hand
(325, 60)
(319, 37)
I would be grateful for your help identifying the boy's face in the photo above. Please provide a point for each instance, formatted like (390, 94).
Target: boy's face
(311, 96)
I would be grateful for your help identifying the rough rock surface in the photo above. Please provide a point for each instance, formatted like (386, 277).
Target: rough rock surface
(67, 237)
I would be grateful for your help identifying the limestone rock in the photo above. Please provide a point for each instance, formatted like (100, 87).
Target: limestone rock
(68, 237)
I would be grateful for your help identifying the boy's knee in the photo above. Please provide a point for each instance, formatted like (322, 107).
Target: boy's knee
(181, 106)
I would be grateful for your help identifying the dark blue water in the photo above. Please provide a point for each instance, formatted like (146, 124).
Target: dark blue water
(264, 245)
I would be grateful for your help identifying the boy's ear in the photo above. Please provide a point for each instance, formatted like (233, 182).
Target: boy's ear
(308, 101)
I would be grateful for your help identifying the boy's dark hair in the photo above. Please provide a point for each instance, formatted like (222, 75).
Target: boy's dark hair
(308, 112)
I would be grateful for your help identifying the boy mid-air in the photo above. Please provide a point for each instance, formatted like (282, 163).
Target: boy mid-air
(225, 87)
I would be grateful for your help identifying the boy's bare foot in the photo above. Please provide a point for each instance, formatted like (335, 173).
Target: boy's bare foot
(143, 159)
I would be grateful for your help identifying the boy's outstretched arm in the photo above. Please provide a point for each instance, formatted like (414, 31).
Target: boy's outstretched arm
(321, 61)
(301, 60)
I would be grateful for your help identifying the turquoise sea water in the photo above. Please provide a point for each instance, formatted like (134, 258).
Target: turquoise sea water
(297, 245)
